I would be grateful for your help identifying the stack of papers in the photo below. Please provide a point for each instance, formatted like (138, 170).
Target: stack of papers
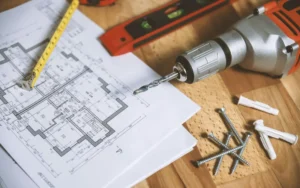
(81, 126)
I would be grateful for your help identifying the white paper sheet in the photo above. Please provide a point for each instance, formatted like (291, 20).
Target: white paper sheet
(11, 175)
(175, 146)
(171, 149)
(69, 131)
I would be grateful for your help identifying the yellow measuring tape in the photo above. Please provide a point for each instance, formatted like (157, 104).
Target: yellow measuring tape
(29, 82)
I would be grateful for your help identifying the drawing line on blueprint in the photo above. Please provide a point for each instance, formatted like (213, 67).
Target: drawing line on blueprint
(71, 109)
(24, 114)
(108, 143)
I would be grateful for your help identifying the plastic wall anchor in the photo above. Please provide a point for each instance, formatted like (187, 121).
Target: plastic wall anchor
(257, 105)
(267, 145)
(266, 142)
(259, 126)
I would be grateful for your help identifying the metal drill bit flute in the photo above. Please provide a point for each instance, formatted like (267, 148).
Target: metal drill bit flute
(156, 83)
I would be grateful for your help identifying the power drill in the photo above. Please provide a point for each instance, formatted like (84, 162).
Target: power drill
(267, 42)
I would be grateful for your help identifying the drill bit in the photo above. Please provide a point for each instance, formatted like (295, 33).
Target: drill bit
(156, 83)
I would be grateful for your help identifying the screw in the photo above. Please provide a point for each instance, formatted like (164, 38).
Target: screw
(200, 162)
(240, 152)
(217, 141)
(218, 165)
(230, 124)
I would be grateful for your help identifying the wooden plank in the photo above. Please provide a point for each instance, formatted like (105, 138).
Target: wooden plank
(287, 165)
(262, 180)
(191, 176)
(5, 5)
(165, 178)
(143, 184)
(161, 54)
(244, 81)
(291, 84)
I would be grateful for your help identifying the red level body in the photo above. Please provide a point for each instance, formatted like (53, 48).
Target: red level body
(152, 25)
(99, 3)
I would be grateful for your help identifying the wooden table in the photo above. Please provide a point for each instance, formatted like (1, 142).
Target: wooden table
(160, 55)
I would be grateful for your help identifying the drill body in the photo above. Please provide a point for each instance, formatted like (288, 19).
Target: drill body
(267, 41)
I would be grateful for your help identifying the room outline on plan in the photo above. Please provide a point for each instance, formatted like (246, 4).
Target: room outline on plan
(81, 125)
(73, 120)
(57, 97)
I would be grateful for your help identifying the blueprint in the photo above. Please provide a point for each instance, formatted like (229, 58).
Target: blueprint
(175, 146)
(81, 126)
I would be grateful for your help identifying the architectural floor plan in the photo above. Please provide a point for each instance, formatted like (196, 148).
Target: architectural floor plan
(82, 114)
(60, 111)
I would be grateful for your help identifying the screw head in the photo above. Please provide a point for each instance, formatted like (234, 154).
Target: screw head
(221, 110)
(195, 163)
(248, 133)
(210, 135)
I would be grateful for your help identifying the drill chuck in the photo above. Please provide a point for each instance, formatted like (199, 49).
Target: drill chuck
(211, 57)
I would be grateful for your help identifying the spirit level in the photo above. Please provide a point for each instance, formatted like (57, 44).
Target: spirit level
(152, 25)
(99, 3)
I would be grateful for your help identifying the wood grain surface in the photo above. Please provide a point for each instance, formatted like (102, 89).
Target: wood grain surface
(217, 91)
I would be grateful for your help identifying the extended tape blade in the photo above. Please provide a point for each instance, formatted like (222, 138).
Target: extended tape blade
(29, 81)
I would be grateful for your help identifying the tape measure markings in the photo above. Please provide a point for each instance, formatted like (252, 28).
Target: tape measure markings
(31, 80)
